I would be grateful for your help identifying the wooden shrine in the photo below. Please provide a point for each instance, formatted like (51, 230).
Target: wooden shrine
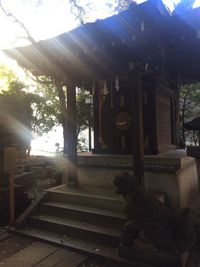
(133, 64)
(113, 123)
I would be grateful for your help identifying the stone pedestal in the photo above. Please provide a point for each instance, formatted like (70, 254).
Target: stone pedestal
(175, 175)
(172, 173)
(194, 151)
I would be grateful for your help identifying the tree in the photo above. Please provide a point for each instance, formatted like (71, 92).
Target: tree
(16, 112)
(54, 107)
(43, 104)
(55, 112)
(189, 108)
(33, 103)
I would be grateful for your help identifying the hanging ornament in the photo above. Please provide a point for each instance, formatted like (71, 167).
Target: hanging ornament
(142, 26)
(101, 87)
(117, 84)
(105, 88)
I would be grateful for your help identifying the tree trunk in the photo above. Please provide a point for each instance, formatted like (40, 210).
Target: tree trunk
(68, 116)
(71, 136)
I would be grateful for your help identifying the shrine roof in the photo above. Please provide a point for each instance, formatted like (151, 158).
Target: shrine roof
(145, 35)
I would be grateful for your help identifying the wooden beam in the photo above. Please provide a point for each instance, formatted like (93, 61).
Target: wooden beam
(71, 136)
(137, 129)
(31, 210)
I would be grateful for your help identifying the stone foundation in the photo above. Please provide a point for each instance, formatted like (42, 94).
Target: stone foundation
(172, 173)
(194, 151)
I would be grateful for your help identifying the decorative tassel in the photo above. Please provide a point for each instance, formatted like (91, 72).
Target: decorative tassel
(117, 84)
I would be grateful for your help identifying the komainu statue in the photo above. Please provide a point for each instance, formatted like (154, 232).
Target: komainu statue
(152, 227)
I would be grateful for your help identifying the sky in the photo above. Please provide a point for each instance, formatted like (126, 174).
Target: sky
(51, 18)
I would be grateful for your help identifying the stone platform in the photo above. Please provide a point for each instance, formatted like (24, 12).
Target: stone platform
(172, 173)
(194, 151)
(88, 218)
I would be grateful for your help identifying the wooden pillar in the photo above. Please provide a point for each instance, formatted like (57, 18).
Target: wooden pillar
(152, 118)
(137, 128)
(71, 136)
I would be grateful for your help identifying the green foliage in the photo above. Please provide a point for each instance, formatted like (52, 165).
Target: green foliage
(40, 105)
(8, 81)
(81, 147)
(11, 85)
(43, 106)
(83, 110)
(46, 108)
(47, 111)
(15, 105)
(189, 108)
(84, 117)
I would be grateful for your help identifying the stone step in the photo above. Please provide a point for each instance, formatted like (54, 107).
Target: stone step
(91, 200)
(105, 252)
(81, 229)
(83, 213)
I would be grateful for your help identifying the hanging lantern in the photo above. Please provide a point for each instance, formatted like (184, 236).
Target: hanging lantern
(117, 84)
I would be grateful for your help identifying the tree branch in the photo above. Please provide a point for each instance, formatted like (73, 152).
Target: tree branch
(9, 14)
(37, 79)
(77, 10)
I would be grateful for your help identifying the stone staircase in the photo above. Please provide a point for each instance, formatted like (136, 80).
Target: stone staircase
(82, 220)
(85, 220)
